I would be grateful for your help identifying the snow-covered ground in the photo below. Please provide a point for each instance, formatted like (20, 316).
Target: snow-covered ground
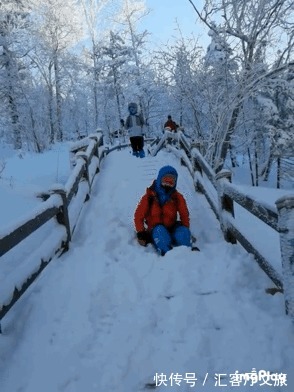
(111, 315)
(25, 176)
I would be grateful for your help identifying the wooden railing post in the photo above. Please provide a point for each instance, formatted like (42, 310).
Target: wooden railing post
(285, 206)
(225, 204)
(62, 216)
(96, 152)
(83, 155)
(197, 169)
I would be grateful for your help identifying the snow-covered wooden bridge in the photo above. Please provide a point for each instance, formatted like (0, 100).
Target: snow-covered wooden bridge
(111, 315)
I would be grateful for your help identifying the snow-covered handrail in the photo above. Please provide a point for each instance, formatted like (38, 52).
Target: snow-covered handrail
(161, 143)
(30, 222)
(85, 160)
(262, 211)
(263, 263)
(280, 219)
(201, 165)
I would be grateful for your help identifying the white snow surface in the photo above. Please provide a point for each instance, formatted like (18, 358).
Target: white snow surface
(109, 315)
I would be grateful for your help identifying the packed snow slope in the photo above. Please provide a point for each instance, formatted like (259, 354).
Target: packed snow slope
(110, 315)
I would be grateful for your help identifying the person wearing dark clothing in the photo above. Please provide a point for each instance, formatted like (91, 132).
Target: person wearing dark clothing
(170, 123)
(134, 124)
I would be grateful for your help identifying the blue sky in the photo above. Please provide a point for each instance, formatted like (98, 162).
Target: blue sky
(164, 17)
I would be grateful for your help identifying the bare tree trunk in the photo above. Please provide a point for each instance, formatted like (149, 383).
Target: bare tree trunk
(58, 100)
(95, 87)
(10, 95)
(227, 138)
(51, 107)
(256, 163)
(95, 90)
(233, 157)
(198, 128)
(14, 121)
(267, 168)
(251, 168)
(278, 173)
(32, 131)
(37, 145)
(116, 88)
(214, 154)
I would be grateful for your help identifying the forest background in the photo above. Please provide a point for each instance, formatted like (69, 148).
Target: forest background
(69, 67)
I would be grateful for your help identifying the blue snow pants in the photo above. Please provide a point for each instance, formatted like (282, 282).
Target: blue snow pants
(164, 239)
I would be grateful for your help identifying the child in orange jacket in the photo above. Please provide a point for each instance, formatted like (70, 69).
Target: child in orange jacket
(156, 215)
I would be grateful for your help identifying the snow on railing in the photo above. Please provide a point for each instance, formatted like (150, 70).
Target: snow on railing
(63, 202)
(280, 219)
(25, 225)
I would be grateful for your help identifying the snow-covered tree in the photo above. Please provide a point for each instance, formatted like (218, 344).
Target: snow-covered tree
(177, 67)
(13, 23)
(116, 55)
(217, 81)
(93, 11)
(131, 12)
(254, 28)
(57, 28)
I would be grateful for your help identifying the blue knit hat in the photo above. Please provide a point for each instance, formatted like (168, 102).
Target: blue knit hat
(163, 196)
(165, 170)
(133, 107)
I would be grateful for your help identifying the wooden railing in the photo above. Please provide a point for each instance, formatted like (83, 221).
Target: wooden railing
(64, 203)
(280, 219)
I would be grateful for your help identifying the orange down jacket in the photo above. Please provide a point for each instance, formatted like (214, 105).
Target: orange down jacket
(149, 213)
(171, 124)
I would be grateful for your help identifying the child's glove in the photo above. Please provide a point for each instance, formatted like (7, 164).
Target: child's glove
(142, 237)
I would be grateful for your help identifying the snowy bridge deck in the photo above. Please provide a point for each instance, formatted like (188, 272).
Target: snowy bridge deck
(109, 314)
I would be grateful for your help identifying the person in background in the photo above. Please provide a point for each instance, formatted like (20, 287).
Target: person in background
(156, 214)
(134, 124)
(170, 123)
